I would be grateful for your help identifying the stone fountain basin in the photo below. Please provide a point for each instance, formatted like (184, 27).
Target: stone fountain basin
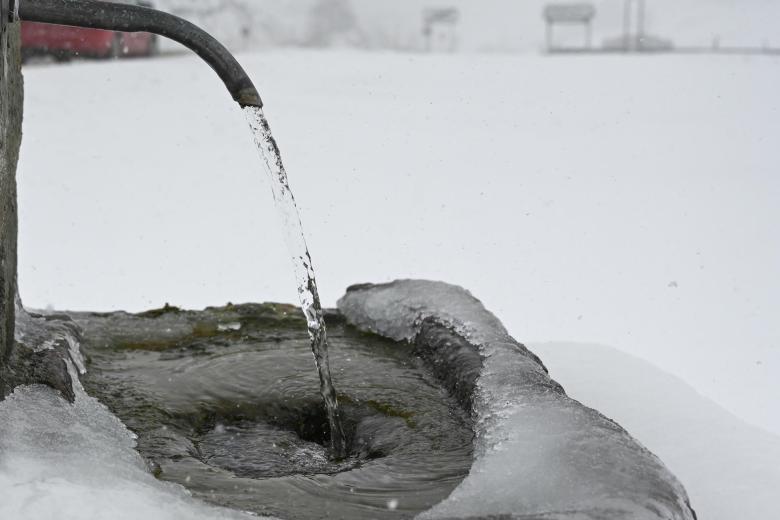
(538, 454)
(532, 452)
(226, 402)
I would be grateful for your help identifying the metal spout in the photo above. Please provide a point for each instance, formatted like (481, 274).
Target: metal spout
(94, 14)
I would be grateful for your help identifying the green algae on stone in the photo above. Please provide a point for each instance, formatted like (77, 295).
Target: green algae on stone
(156, 313)
(383, 408)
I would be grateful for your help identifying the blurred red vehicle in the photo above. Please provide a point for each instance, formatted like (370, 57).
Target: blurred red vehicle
(63, 42)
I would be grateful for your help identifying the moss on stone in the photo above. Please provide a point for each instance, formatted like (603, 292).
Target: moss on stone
(156, 313)
(385, 409)
(391, 411)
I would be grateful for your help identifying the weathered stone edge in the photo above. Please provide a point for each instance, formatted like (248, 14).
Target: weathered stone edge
(456, 351)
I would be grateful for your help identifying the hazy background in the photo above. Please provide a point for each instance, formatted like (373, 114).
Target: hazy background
(485, 25)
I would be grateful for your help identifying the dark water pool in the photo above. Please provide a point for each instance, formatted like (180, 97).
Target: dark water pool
(226, 402)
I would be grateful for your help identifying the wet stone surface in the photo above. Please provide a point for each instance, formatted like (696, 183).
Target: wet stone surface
(226, 402)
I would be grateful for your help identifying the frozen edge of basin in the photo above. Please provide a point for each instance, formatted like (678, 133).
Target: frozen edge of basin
(64, 455)
(538, 453)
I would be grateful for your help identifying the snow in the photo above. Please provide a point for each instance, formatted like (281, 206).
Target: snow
(730, 469)
(567, 193)
(615, 200)
(537, 452)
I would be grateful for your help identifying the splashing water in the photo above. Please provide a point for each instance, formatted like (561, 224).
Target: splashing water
(304, 270)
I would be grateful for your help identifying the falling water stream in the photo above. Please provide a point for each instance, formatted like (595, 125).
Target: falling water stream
(304, 270)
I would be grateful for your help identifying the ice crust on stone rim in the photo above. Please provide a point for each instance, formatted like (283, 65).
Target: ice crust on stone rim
(537, 451)
(40, 334)
(73, 461)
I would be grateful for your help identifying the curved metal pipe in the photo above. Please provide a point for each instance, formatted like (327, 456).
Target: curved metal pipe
(132, 18)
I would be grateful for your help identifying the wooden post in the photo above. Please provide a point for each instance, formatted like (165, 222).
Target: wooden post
(10, 140)
(640, 24)
(627, 16)
(589, 34)
(549, 36)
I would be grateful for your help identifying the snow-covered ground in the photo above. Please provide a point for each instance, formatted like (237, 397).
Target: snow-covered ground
(730, 469)
(614, 200)
(73, 462)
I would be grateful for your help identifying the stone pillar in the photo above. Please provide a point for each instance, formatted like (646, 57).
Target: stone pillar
(10, 140)
(21, 363)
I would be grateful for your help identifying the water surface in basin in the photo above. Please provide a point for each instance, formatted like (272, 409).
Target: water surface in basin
(224, 402)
